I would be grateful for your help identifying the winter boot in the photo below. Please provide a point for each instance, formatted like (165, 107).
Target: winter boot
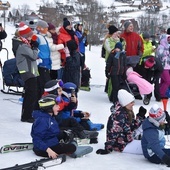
(146, 100)
(91, 134)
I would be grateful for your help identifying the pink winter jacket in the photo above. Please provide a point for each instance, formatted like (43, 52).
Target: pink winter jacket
(144, 86)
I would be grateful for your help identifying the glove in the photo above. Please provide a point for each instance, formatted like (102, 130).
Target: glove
(84, 34)
(34, 45)
(166, 160)
(102, 151)
(68, 136)
(142, 112)
(167, 117)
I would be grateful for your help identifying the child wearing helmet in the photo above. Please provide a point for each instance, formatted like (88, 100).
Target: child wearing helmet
(45, 130)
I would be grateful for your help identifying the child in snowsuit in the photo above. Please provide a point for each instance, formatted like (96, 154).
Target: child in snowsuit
(45, 130)
(73, 65)
(115, 70)
(153, 139)
(121, 126)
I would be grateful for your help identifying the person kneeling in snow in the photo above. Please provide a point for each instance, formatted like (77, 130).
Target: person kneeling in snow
(153, 139)
(122, 124)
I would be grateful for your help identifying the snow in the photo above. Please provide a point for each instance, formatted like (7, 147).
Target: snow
(96, 102)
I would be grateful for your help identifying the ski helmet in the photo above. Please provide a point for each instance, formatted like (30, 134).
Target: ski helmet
(47, 102)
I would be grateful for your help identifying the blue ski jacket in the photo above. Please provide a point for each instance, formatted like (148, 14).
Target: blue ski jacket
(45, 130)
(153, 140)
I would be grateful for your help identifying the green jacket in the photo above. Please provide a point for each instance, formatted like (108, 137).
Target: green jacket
(148, 49)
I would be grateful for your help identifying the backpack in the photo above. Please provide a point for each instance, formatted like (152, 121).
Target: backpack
(11, 74)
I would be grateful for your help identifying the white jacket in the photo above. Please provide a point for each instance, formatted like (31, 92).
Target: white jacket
(55, 54)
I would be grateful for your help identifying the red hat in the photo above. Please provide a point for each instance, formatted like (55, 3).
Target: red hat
(25, 31)
(149, 63)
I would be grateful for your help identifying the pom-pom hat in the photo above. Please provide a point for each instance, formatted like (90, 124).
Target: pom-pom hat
(157, 113)
(25, 31)
(125, 97)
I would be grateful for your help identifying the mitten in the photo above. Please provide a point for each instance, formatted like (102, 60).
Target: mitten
(102, 151)
(34, 45)
(166, 160)
(142, 112)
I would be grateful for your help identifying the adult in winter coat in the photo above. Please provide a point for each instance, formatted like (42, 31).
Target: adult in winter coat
(153, 139)
(122, 124)
(116, 70)
(149, 67)
(54, 51)
(45, 130)
(73, 64)
(163, 53)
(66, 33)
(3, 35)
(134, 44)
(110, 40)
(82, 37)
(44, 65)
(26, 56)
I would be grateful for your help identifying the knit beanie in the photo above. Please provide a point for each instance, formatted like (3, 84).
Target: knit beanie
(157, 113)
(72, 45)
(124, 97)
(42, 24)
(112, 29)
(119, 46)
(126, 24)
(51, 26)
(149, 63)
(168, 31)
(66, 22)
(145, 35)
(25, 31)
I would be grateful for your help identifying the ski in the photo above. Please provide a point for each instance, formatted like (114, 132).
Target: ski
(39, 164)
(15, 147)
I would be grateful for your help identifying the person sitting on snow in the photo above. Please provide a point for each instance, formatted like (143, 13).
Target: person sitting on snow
(67, 106)
(153, 139)
(121, 126)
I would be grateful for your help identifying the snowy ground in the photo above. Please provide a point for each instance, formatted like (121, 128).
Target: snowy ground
(96, 102)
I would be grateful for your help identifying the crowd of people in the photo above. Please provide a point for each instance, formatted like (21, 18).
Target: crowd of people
(50, 62)
(133, 58)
